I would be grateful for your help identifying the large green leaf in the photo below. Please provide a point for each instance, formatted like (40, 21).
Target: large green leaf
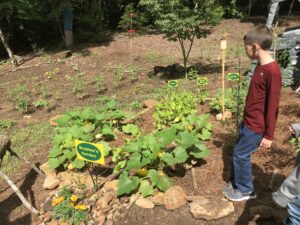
(58, 139)
(79, 164)
(136, 162)
(130, 129)
(168, 158)
(88, 114)
(154, 176)
(199, 151)
(205, 135)
(187, 140)
(127, 185)
(146, 188)
(202, 120)
(120, 165)
(108, 131)
(88, 128)
(63, 121)
(180, 155)
(55, 152)
(165, 137)
(164, 183)
(54, 163)
(132, 147)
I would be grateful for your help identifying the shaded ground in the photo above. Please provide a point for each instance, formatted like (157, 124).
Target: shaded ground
(148, 51)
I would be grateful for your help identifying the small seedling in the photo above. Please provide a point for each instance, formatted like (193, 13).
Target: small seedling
(98, 80)
(132, 70)
(41, 103)
(118, 74)
(192, 74)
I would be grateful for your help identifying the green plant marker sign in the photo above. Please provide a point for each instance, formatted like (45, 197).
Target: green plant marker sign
(233, 76)
(202, 81)
(173, 83)
(89, 152)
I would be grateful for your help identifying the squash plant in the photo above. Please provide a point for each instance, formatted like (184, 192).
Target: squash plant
(85, 125)
(145, 160)
(174, 109)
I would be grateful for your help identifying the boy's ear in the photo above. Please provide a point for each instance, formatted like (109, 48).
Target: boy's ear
(255, 46)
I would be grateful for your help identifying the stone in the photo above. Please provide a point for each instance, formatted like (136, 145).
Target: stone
(107, 209)
(158, 199)
(144, 203)
(53, 222)
(51, 182)
(47, 217)
(46, 170)
(219, 117)
(105, 200)
(101, 219)
(174, 197)
(52, 120)
(150, 104)
(194, 198)
(63, 54)
(227, 115)
(110, 186)
(68, 177)
(211, 209)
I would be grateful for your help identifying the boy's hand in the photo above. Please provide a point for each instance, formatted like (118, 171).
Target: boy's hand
(266, 143)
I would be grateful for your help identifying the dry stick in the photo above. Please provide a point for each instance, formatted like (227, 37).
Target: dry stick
(23, 67)
(18, 192)
(13, 153)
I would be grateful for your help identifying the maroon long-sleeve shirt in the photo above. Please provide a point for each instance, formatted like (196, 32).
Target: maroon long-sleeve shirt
(262, 102)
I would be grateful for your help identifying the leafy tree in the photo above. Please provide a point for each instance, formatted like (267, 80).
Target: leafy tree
(184, 20)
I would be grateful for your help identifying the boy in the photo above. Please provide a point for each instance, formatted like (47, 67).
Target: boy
(260, 114)
(288, 195)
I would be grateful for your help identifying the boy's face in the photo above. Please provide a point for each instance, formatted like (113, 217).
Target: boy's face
(250, 51)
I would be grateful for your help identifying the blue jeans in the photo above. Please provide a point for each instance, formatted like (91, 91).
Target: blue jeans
(241, 169)
(294, 212)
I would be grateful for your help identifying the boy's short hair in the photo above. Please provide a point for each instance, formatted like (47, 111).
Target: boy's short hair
(260, 35)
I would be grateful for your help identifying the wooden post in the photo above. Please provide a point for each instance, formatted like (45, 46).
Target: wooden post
(9, 51)
(223, 49)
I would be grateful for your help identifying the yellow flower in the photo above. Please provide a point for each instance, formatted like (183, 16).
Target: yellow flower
(71, 205)
(74, 198)
(57, 201)
(70, 166)
(81, 207)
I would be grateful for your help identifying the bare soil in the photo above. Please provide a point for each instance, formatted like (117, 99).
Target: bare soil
(148, 51)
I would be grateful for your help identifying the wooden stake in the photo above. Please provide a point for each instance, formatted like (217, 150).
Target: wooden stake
(18, 192)
(223, 49)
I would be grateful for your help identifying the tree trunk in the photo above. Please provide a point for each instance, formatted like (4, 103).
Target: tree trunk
(184, 57)
(9, 51)
(291, 7)
(250, 7)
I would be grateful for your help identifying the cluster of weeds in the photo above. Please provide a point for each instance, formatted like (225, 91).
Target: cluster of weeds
(18, 95)
(98, 81)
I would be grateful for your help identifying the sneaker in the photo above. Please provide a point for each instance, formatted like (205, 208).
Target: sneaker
(237, 196)
(228, 188)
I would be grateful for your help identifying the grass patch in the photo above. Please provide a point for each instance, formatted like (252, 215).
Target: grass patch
(28, 142)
